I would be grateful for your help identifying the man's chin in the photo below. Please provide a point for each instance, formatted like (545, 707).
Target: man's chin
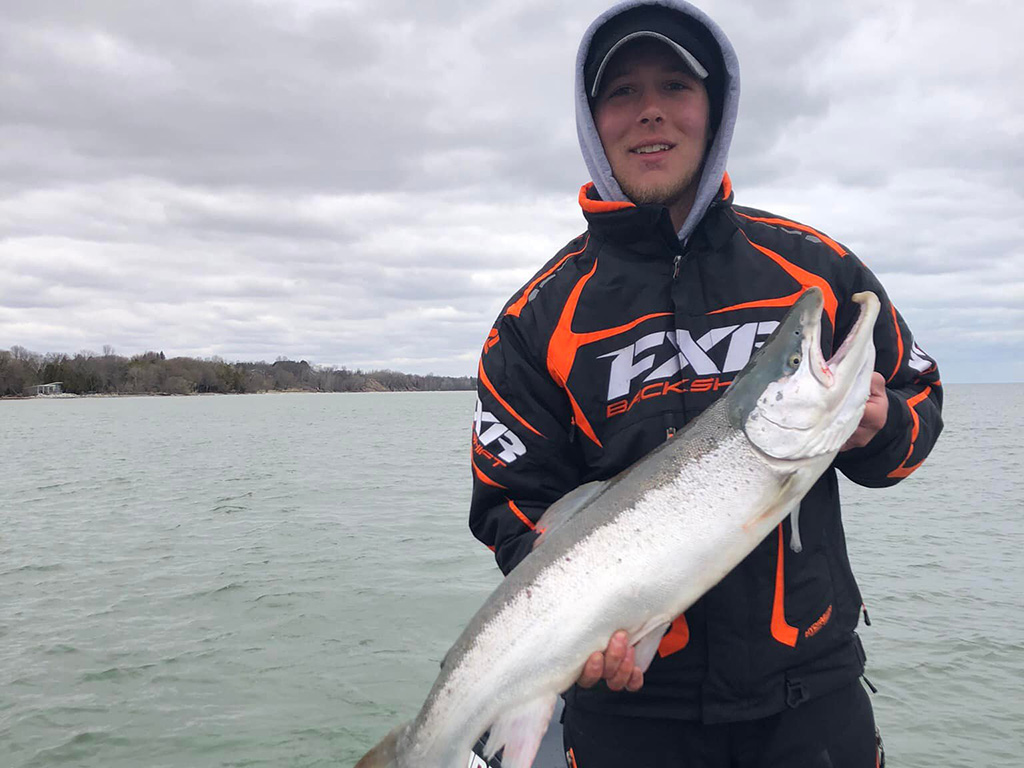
(649, 196)
(661, 194)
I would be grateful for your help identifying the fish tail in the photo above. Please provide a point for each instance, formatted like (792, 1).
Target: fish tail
(385, 754)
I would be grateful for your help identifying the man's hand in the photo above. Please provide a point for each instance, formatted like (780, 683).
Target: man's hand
(616, 666)
(875, 414)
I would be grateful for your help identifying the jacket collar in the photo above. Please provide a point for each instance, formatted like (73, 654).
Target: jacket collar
(644, 230)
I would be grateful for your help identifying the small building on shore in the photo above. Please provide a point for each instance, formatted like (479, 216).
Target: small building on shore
(53, 388)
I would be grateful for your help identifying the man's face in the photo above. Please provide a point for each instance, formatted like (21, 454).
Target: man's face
(652, 116)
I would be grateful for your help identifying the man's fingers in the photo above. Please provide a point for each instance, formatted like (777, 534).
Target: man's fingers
(592, 670)
(624, 673)
(877, 384)
(636, 680)
(875, 415)
(617, 666)
(614, 655)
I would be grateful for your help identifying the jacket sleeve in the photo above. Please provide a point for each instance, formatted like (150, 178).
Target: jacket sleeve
(912, 384)
(523, 454)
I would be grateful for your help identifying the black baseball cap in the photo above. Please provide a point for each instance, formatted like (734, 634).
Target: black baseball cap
(692, 41)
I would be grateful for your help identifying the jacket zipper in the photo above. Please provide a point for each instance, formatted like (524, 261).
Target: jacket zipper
(675, 262)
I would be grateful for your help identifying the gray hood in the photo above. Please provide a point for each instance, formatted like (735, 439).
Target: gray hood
(715, 162)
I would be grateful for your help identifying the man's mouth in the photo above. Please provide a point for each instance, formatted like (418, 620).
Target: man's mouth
(649, 149)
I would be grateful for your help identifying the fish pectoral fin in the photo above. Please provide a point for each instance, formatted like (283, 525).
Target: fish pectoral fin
(648, 644)
(794, 524)
(519, 731)
(569, 505)
(783, 500)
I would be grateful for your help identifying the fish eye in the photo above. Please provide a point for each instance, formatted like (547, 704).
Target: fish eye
(794, 361)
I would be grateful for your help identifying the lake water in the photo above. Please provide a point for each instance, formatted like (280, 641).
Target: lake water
(271, 580)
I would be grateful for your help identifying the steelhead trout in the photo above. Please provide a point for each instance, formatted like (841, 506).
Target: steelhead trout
(635, 551)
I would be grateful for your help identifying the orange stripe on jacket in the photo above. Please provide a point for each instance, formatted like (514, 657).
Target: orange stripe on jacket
(519, 303)
(781, 301)
(921, 396)
(801, 227)
(490, 388)
(565, 343)
(485, 479)
(802, 276)
(781, 631)
(599, 206)
(519, 513)
(899, 344)
(677, 637)
(903, 470)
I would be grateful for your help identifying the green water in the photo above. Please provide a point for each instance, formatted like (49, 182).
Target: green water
(272, 580)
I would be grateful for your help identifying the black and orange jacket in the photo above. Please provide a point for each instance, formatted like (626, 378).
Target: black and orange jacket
(623, 338)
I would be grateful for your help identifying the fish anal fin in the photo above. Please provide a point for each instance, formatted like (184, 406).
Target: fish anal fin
(568, 506)
(519, 731)
(648, 644)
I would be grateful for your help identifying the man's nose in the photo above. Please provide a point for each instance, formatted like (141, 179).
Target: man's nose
(651, 111)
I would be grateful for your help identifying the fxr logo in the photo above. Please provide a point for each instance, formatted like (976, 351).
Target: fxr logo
(489, 430)
(630, 363)
(919, 360)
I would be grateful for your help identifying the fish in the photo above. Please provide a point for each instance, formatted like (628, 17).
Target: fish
(635, 551)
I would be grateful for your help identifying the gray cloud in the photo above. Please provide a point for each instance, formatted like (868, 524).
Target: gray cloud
(365, 184)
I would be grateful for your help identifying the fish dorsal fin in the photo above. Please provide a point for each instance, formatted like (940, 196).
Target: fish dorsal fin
(566, 507)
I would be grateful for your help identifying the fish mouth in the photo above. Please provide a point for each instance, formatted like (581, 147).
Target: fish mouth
(865, 299)
(827, 371)
(858, 337)
(793, 403)
(841, 372)
(812, 407)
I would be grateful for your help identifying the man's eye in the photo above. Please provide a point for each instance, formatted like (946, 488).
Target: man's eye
(621, 90)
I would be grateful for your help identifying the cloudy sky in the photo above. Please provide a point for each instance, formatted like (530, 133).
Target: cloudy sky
(364, 182)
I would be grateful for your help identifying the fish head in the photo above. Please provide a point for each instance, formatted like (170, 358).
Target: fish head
(790, 401)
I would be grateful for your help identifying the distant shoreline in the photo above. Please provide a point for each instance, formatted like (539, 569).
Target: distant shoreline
(103, 395)
(71, 396)
(28, 374)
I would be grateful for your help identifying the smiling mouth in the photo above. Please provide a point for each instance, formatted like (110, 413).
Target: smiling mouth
(650, 149)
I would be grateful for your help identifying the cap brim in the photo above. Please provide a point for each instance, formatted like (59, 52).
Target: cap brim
(685, 55)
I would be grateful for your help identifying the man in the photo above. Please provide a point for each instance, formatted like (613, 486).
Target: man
(627, 334)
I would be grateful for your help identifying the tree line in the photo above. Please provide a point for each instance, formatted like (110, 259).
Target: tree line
(86, 373)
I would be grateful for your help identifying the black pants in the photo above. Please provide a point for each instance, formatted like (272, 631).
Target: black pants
(836, 730)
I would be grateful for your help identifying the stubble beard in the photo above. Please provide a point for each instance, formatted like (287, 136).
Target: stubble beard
(668, 193)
